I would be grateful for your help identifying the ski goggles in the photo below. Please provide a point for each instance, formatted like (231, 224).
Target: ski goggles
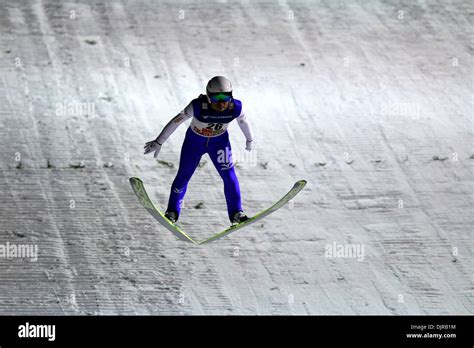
(220, 97)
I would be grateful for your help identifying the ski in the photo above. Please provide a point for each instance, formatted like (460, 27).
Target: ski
(146, 202)
(297, 187)
(139, 189)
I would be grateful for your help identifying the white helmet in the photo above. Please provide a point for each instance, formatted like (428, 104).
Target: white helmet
(219, 84)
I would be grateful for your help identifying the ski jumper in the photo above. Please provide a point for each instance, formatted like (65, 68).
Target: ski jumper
(207, 133)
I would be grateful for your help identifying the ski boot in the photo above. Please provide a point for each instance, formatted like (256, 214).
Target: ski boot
(172, 216)
(238, 217)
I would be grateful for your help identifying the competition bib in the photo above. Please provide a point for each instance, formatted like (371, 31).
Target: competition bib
(208, 129)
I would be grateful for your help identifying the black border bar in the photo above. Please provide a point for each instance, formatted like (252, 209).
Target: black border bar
(195, 330)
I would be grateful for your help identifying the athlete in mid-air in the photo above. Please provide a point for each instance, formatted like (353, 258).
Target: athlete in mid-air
(211, 114)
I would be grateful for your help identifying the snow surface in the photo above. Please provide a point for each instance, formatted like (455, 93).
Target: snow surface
(370, 101)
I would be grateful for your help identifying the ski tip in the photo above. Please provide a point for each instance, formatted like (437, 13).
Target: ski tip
(302, 182)
(133, 179)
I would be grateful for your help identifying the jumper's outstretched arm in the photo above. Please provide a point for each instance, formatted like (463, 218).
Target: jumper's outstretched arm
(245, 127)
(155, 145)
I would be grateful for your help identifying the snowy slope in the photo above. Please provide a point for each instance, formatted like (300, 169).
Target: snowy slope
(370, 101)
